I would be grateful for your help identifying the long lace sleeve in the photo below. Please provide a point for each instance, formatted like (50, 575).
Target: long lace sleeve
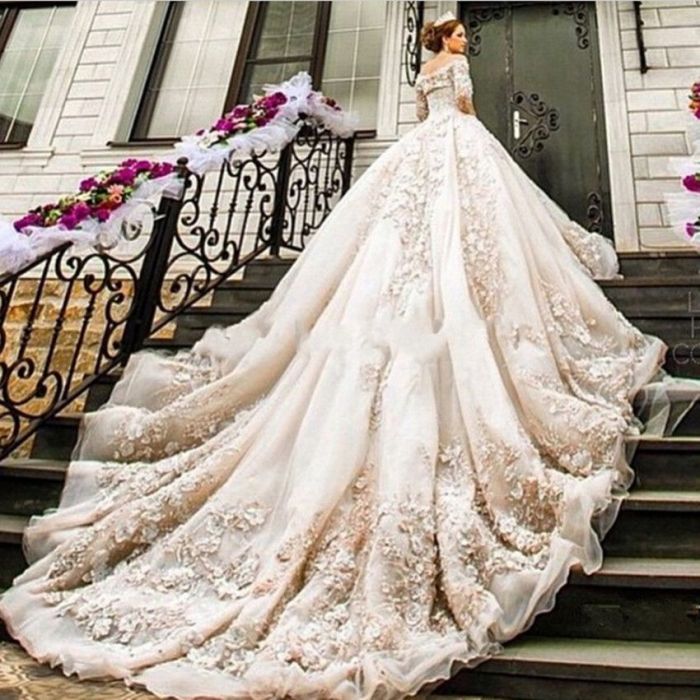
(421, 104)
(462, 84)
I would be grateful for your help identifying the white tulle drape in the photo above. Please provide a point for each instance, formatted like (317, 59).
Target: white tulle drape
(378, 477)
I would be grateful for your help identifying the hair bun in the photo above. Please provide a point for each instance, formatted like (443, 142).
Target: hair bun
(431, 35)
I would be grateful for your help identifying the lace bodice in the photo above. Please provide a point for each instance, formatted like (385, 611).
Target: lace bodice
(444, 90)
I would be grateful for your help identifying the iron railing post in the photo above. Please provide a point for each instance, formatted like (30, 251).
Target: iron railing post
(278, 213)
(347, 164)
(155, 265)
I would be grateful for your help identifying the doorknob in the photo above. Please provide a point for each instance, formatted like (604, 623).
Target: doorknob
(517, 121)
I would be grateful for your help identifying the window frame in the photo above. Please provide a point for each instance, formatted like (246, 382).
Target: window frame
(159, 61)
(7, 24)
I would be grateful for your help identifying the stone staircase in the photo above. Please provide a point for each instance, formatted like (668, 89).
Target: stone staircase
(629, 631)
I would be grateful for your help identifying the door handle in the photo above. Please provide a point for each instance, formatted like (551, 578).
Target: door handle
(517, 121)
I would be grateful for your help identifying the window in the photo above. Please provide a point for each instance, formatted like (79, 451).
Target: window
(191, 70)
(204, 65)
(31, 36)
(281, 39)
(353, 57)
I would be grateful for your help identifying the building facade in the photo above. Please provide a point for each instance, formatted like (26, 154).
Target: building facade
(86, 84)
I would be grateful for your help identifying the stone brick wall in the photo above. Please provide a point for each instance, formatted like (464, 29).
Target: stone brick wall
(656, 103)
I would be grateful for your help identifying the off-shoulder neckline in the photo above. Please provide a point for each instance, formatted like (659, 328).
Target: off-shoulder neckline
(442, 68)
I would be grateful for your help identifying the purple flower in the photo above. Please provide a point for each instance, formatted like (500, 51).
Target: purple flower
(239, 112)
(224, 124)
(692, 182)
(690, 229)
(31, 219)
(124, 176)
(161, 169)
(87, 184)
(68, 220)
(81, 211)
(102, 213)
(141, 166)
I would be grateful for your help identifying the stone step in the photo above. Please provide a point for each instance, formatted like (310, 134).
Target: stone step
(545, 668)
(674, 327)
(639, 598)
(671, 263)
(249, 298)
(667, 463)
(169, 345)
(270, 270)
(656, 524)
(56, 438)
(654, 293)
(683, 359)
(11, 557)
(101, 390)
(30, 486)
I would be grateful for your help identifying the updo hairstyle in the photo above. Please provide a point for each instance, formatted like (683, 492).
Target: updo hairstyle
(431, 36)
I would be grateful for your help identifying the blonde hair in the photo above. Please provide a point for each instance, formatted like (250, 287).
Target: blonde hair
(431, 36)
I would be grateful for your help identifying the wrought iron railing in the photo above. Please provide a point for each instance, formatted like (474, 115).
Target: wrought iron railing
(71, 317)
(412, 25)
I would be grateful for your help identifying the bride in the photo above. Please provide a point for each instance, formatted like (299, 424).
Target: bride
(381, 475)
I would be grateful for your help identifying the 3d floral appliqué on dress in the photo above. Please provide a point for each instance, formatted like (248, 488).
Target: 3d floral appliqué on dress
(378, 477)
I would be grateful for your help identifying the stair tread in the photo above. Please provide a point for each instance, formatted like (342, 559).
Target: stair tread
(662, 498)
(607, 653)
(36, 468)
(686, 280)
(12, 527)
(670, 441)
(652, 572)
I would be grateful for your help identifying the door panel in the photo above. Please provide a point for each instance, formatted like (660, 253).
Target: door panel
(537, 88)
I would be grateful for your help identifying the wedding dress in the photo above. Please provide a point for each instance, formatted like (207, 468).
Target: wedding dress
(375, 479)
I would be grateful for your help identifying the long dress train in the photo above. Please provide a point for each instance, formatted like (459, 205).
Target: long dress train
(377, 478)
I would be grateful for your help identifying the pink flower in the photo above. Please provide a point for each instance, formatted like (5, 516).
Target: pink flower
(116, 189)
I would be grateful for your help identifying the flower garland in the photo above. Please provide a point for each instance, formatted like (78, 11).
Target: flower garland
(269, 123)
(684, 207)
(94, 214)
(98, 198)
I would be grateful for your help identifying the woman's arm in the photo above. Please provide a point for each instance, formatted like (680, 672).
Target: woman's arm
(421, 104)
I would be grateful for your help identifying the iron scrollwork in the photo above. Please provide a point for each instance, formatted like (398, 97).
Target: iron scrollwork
(412, 23)
(544, 120)
(594, 212)
(67, 318)
(477, 19)
(579, 11)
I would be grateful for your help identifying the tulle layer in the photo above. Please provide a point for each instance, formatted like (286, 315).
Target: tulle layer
(377, 478)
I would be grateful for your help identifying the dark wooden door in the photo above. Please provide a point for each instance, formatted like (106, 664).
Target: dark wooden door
(537, 87)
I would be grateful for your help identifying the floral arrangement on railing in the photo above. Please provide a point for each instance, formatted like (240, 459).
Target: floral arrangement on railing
(95, 214)
(684, 206)
(99, 197)
(268, 123)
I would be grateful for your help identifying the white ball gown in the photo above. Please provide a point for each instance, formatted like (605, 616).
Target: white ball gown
(375, 479)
